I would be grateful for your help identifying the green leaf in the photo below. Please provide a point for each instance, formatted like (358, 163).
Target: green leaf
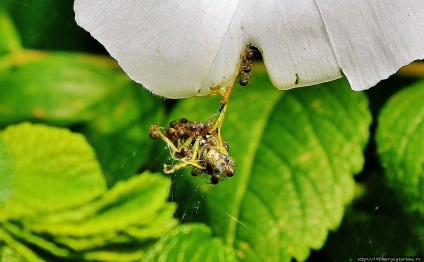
(18, 250)
(400, 145)
(190, 243)
(28, 238)
(9, 37)
(121, 254)
(6, 168)
(162, 224)
(46, 169)
(87, 92)
(119, 226)
(295, 153)
(81, 244)
(132, 203)
(9, 255)
(55, 88)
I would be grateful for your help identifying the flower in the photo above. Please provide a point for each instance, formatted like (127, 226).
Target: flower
(181, 48)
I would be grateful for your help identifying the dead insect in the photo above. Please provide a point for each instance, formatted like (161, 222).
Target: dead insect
(200, 145)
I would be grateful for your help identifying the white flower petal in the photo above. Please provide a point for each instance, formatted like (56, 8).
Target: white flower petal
(293, 41)
(180, 48)
(168, 46)
(373, 39)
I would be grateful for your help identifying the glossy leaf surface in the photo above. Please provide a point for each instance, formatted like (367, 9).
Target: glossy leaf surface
(296, 153)
(401, 144)
(190, 243)
(39, 176)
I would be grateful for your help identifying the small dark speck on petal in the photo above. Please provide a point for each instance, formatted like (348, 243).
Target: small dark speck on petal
(296, 81)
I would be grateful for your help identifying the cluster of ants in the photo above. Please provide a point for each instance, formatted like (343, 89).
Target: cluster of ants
(246, 66)
(199, 144)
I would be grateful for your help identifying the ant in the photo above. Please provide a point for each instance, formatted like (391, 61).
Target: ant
(200, 145)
